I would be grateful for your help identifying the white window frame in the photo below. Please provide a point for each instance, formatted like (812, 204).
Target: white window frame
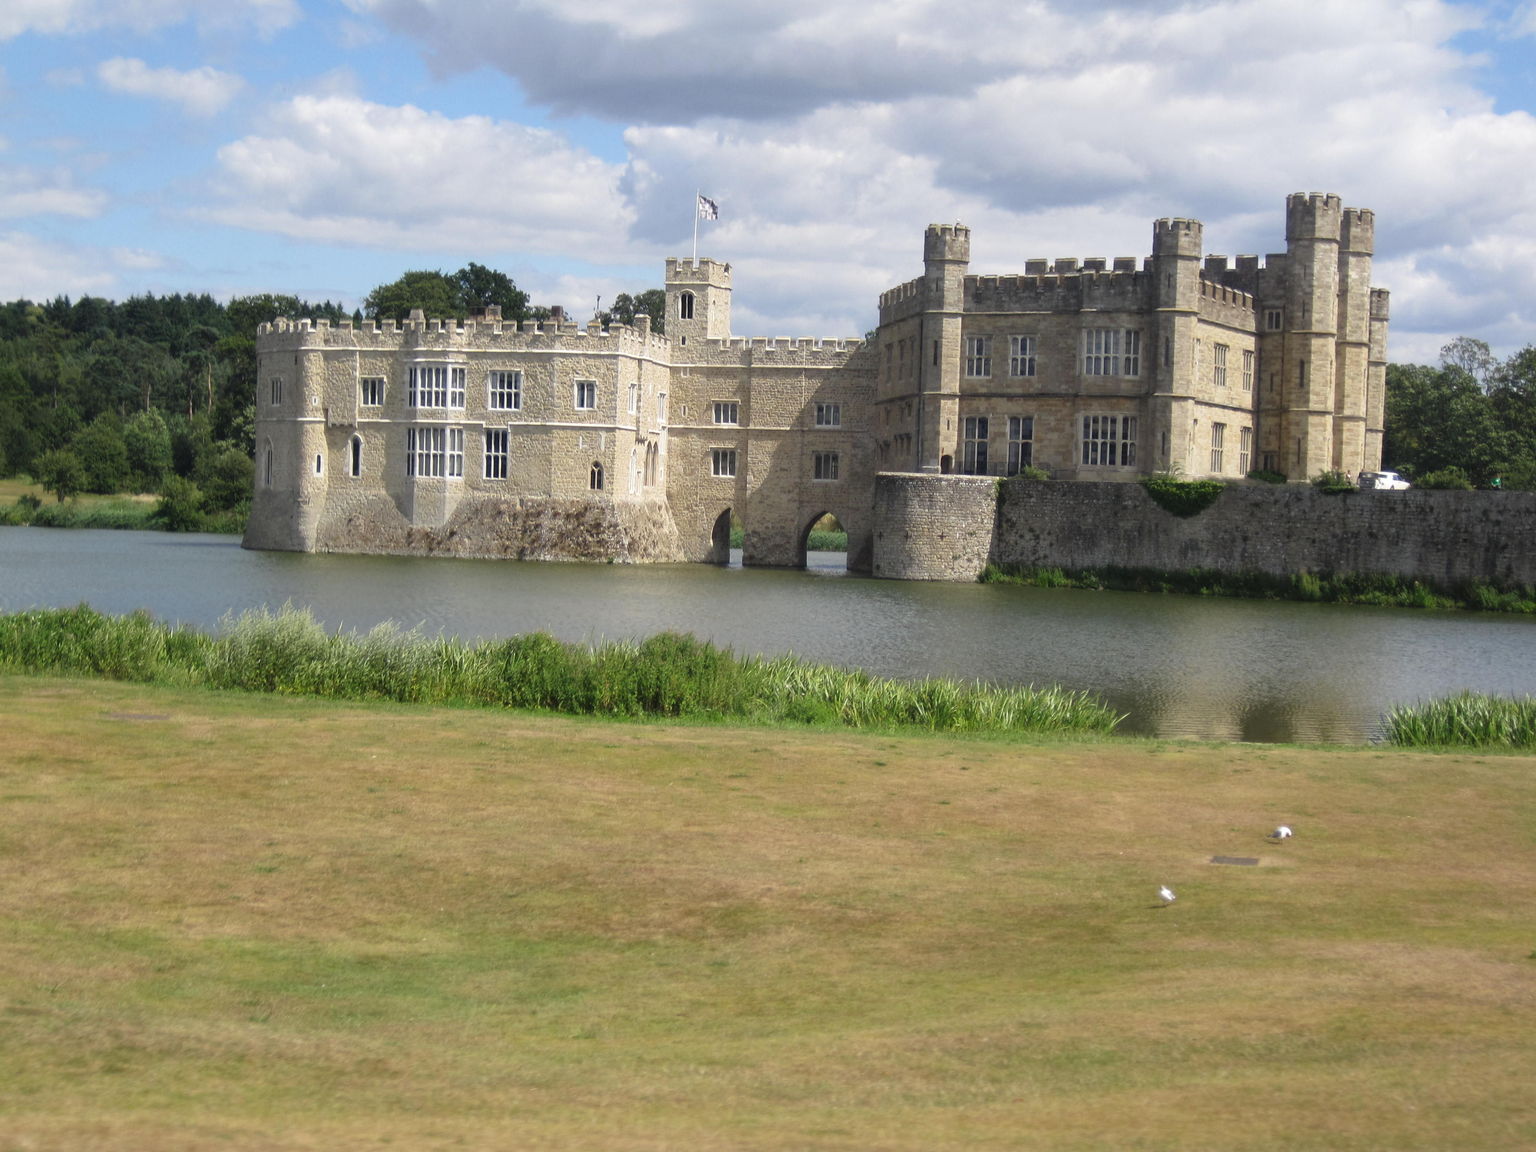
(585, 394)
(727, 412)
(597, 477)
(426, 452)
(497, 453)
(1244, 450)
(1111, 352)
(435, 386)
(1108, 440)
(1218, 447)
(1219, 365)
(722, 462)
(973, 456)
(504, 390)
(1248, 370)
(978, 357)
(371, 392)
(1021, 356)
(661, 407)
(824, 465)
(829, 415)
(1021, 443)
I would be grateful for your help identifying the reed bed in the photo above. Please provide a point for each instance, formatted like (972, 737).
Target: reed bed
(1468, 719)
(667, 675)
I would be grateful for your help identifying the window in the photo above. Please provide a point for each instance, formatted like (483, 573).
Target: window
(373, 391)
(1272, 319)
(586, 394)
(1109, 441)
(1218, 442)
(595, 476)
(357, 456)
(829, 415)
(266, 465)
(685, 306)
(727, 412)
(722, 461)
(824, 465)
(1301, 375)
(276, 389)
(1021, 446)
(1111, 352)
(436, 386)
(456, 453)
(1248, 371)
(319, 465)
(1244, 450)
(978, 356)
(505, 391)
(1219, 366)
(425, 452)
(974, 461)
(495, 453)
(634, 398)
(1021, 356)
(661, 408)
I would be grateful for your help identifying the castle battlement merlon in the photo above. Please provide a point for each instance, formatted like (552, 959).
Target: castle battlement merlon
(449, 335)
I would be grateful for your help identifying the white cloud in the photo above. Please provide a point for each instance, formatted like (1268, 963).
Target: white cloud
(34, 269)
(201, 92)
(28, 192)
(75, 17)
(338, 169)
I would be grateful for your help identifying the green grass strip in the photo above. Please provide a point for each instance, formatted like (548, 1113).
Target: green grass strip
(1468, 719)
(668, 675)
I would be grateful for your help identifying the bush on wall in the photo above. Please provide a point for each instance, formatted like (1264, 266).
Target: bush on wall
(1182, 497)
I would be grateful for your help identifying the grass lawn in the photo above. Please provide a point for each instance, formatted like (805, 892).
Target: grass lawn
(243, 922)
(14, 487)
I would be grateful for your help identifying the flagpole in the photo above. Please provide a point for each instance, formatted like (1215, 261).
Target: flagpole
(696, 197)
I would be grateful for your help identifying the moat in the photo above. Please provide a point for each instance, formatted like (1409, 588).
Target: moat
(1179, 666)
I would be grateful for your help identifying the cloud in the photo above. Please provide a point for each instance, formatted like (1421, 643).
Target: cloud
(76, 17)
(335, 168)
(28, 192)
(201, 92)
(34, 269)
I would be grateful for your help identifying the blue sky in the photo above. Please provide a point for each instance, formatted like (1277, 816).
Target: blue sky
(321, 147)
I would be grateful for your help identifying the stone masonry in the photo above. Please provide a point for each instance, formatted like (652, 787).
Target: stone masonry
(560, 441)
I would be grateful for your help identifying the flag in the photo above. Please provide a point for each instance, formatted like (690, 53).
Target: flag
(708, 209)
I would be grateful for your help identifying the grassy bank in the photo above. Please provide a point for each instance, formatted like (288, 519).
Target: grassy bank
(1386, 591)
(665, 675)
(245, 922)
(1466, 720)
(24, 503)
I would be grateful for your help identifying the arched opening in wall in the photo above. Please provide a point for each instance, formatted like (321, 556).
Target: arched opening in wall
(595, 476)
(357, 456)
(266, 464)
(725, 540)
(824, 546)
(946, 464)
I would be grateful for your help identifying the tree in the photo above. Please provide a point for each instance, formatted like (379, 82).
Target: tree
(435, 294)
(99, 448)
(59, 471)
(1438, 418)
(147, 441)
(480, 287)
(653, 302)
(180, 507)
(226, 478)
(1473, 357)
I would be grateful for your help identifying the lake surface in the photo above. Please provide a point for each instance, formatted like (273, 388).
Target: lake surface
(1179, 666)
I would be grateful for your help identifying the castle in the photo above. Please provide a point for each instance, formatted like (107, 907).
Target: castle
(561, 441)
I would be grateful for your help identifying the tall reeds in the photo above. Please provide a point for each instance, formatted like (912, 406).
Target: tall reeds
(667, 675)
(1468, 719)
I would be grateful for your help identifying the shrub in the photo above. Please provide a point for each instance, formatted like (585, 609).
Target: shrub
(180, 507)
(1182, 497)
(1267, 477)
(1334, 482)
(1449, 479)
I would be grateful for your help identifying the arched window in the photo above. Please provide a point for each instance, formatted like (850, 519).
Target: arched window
(595, 480)
(685, 306)
(319, 464)
(357, 455)
(266, 465)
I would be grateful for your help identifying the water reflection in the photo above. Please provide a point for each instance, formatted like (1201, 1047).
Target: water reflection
(1180, 666)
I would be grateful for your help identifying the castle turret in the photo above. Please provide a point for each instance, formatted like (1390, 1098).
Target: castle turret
(698, 301)
(1309, 368)
(946, 257)
(1176, 255)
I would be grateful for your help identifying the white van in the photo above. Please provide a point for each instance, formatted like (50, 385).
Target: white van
(1382, 480)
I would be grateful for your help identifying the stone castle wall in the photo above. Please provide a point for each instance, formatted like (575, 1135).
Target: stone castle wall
(948, 528)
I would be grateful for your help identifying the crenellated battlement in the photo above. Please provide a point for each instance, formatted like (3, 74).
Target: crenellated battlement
(949, 243)
(450, 334)
(1066, 288)
(1177, 236)
(702, 271)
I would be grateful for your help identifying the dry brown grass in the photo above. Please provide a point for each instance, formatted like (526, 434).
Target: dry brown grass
(251, 923)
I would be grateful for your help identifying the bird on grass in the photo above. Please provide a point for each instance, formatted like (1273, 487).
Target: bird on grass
(1167, 894)
(1282, 833)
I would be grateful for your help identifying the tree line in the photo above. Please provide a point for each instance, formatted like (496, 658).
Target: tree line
(157, 393)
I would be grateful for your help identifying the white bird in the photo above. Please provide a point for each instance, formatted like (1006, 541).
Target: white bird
(1282, 833)
(1167, 894)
